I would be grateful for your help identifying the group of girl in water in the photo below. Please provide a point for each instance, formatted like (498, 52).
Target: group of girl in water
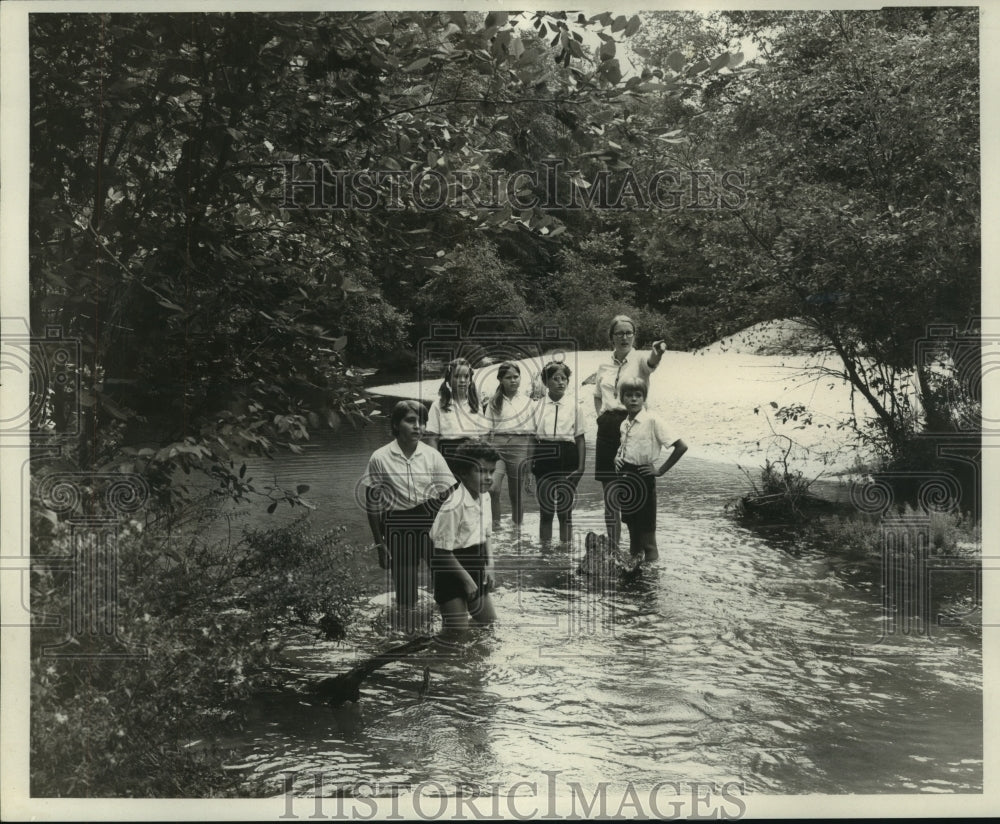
(433, 492)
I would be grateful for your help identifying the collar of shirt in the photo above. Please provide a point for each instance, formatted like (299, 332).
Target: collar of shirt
(639, 416)
(467, 502)
(512, 406)
(470, 501)
(626, 428)
(395, 450)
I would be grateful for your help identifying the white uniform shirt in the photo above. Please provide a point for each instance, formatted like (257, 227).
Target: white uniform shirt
(516, 416)
(558, 420)
(458, 422)
(610, 373)
(407, 482)
(643, 438)
(463, 521)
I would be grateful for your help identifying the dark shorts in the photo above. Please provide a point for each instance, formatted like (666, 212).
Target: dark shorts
(447, 584)
(554, 462)
(609, 438)
(635, 497)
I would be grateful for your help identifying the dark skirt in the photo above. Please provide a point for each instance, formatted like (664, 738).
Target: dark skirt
(554, 461)
(609, 438)
(407, 536)
(447, 584)
(554, 458)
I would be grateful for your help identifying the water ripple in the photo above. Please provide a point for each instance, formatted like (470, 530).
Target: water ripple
(738, 657)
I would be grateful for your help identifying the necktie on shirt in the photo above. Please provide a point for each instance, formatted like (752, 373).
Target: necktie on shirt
(621, 365)
(555, 423)
(621, 449)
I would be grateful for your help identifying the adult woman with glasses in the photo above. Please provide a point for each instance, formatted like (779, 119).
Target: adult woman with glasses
(624, 363)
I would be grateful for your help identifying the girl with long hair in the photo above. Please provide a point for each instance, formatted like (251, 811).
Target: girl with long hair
(510, 415)
(456, 415)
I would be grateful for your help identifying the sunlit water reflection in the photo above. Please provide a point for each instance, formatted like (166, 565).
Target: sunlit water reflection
(739, 657)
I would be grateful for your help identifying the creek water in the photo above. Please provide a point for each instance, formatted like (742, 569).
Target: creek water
(742, 655)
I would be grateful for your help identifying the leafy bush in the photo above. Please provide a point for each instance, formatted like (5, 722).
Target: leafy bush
(588, 290)
(302, 576)
(949, 593)
(373, 326)
(779, 494)
(949, 534)
(471, 281)
(202, 622)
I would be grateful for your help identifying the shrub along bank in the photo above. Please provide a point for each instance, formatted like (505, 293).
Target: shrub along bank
(196, 632)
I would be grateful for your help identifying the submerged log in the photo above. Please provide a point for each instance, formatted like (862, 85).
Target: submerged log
(338, 689)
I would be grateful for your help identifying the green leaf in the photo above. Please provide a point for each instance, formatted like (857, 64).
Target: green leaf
(720, 62)
(418, 64)
(350, 285)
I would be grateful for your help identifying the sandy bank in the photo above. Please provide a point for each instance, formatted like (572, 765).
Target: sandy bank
(709, 398)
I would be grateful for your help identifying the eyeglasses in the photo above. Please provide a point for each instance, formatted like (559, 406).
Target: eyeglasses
(623, 334)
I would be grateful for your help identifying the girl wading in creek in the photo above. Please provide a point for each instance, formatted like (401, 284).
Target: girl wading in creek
(456, 415)
(510, 413)
(623, 363)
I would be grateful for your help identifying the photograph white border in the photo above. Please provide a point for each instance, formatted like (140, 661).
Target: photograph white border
(14, 687)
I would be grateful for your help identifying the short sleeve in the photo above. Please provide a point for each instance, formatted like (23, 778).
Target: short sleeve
(663, 433)
(444, 530)
(434, 419)
(373, 473)
(441, 475)
(379, 491)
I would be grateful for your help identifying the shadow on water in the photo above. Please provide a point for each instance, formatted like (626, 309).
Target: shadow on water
(742, 655)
